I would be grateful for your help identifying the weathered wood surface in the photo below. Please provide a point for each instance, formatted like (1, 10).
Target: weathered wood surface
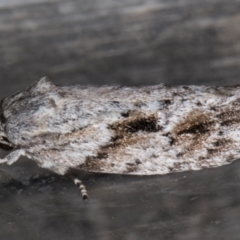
(125, 42)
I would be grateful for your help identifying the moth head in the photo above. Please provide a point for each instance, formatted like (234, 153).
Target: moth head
(5, 144)
(23, 115)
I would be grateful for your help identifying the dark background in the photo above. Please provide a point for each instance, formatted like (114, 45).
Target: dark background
(127, 42)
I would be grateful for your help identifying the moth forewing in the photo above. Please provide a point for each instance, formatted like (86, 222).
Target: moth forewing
(123, 130)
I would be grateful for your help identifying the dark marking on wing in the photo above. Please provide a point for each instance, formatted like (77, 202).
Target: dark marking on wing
(125, 114)
(195, 129)
(131, 169)
(91, 164)
(166, 101)
(125, 131)
(229, 117)
(136, 124)
(102, 155)
(220, 142)
(132, 166)
(94, 163)
(192, 131)
(195, 123)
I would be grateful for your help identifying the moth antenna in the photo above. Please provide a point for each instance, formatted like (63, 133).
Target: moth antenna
(82, 188)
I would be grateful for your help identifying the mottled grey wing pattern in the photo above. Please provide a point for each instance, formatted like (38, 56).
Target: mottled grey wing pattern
(124, 130)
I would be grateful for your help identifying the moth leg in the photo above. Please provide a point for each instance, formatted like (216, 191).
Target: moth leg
(82, 188)
(13, 157)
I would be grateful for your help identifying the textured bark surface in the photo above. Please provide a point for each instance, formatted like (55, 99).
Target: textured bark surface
(126, 42)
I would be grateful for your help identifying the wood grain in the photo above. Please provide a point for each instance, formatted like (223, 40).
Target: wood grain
(124, 42)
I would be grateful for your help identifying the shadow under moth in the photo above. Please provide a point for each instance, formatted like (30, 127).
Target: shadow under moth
(123, 130)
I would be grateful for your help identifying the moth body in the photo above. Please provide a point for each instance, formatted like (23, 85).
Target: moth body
(123, 130)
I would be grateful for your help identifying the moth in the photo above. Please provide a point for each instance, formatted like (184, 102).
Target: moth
(123, 130)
